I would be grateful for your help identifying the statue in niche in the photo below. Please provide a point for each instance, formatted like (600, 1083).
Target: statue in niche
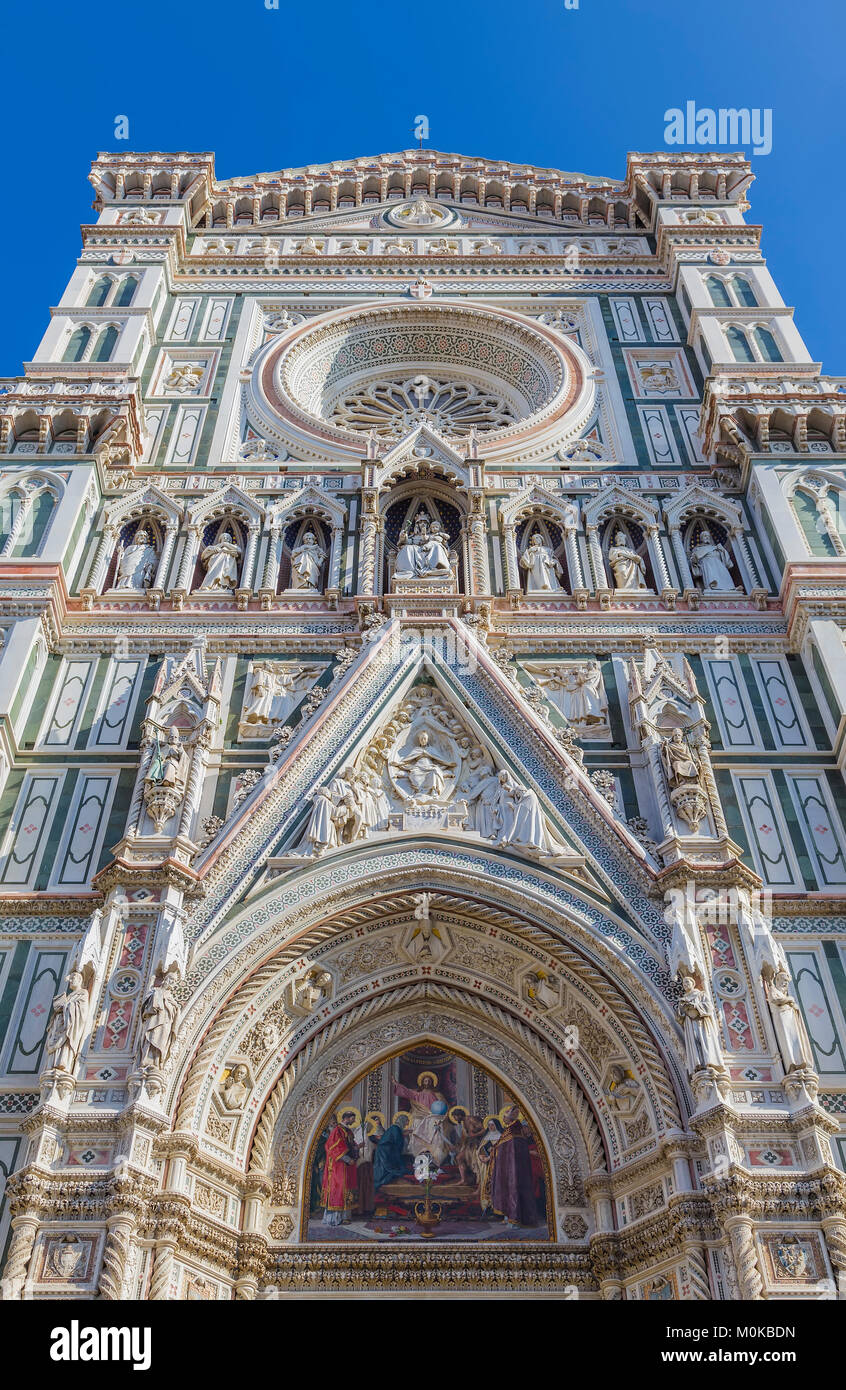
(702, 1041)
(683, 770)
(710, 561)
(627, 566)
(543, 571)
(235, 1087)
(137, 563)
(423, 551)
(166, 778)
(307, 561)
(159, 1015)
(69, 1016)
(220, 561)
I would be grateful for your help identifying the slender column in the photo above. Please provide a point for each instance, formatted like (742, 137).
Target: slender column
(745, 558)
(367, 553)
(335, 557)
(574, 559)
(189, 558)
(17, 525)
(196, 774)
(249, 558)
(662, 574)
(134, 813)
(685, 576)
(512, 572)
(271, 564)
(101, 559)
(478, 545)
(166, 557)
(597, 563)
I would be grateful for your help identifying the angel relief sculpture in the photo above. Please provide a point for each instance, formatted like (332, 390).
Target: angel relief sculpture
(425, 771)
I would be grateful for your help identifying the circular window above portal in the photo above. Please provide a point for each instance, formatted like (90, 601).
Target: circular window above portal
(327, 383)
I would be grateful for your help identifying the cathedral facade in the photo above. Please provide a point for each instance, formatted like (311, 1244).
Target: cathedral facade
(422, 690)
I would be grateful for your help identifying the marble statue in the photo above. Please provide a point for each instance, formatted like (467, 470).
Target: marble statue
(420, 770)
(423, 551)
(69, 1016)
(710, 561)
(166, 778)
(578, 693)
(235, 1087)
(627, 566)
(159, 1014)
(702, 1041)
(273, 692)
(683, 770)
(137, 564)
(307, 561)
(787, 1021)
(543, 571)
(312, 989)
(220, 561)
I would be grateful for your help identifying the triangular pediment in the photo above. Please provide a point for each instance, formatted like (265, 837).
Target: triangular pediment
(479, 726)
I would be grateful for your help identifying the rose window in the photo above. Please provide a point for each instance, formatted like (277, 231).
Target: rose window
(393, 407)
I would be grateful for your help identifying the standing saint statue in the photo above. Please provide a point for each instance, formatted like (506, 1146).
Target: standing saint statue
(680, 762)
(137, 563)
(543, 571)
(67, 1023)
(710, 562)
(702, 1041)
(220, 561)
(159, 1014)
(307, 560)
(627, 566)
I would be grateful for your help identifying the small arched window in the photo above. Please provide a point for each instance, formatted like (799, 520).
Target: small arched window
(744, 291)
(100, 291)
(718, 292)
(77, 343)
(105, 345)
(767, 345)
(739, 344)
(126, 291)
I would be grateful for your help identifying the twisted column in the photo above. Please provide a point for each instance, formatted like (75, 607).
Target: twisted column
(115, 1255)
(574, 560)
(189, 557)
(835, 1239)
(101, 559)
(162, 1270)
(271, 564)
(478, 546)
(249, 558)
(166, 557)
(367, 553)
(17, 525)
(597, 563)
(749, 1279)
(697, 1268)
(20, 1250)
(512, 573)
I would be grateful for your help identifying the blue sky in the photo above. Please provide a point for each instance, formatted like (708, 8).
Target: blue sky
(313, 81)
